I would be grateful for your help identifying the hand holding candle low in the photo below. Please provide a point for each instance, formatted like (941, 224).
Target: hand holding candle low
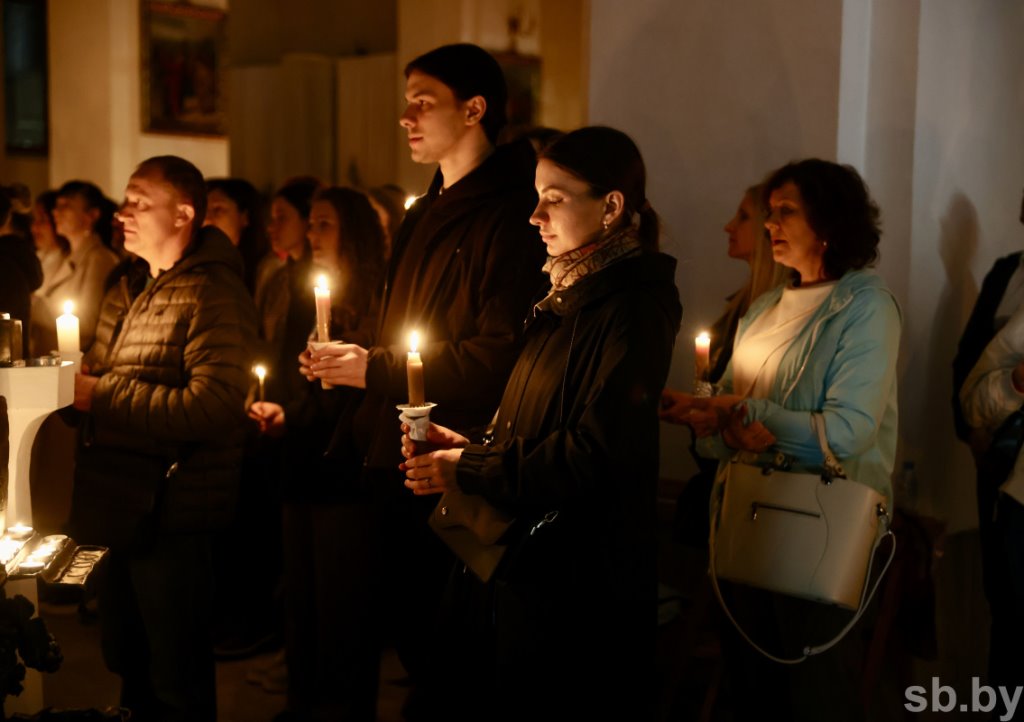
(433, 472)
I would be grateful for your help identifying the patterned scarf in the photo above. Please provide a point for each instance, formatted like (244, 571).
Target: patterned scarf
(571, 266)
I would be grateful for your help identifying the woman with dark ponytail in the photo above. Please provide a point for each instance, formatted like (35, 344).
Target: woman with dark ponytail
(565, 626)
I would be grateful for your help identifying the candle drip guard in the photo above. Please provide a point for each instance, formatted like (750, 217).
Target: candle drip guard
(418, 419)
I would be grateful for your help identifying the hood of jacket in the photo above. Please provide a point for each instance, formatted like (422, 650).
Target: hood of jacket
(210, 247)
(505, 170)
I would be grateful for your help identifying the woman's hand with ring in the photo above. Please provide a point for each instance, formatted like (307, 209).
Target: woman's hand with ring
(432, 473)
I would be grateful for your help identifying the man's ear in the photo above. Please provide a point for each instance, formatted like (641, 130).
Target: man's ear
(184, 214)
(475, 108)
(94, 216)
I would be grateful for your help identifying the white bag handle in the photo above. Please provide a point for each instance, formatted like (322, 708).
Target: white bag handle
(833, 469)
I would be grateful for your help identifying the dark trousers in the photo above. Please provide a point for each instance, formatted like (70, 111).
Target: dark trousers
(379, 579)
(329, 572)
(826, 686)
(155, 609)
(1007, 568)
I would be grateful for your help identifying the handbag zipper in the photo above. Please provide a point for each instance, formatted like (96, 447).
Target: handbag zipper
(757, 505)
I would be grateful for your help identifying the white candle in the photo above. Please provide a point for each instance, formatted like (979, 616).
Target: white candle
(414, 372)
(68, 339)
(322, 292)
(702, 346)
(261, 374)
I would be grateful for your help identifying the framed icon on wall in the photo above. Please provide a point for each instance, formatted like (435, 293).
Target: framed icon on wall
(182, 53)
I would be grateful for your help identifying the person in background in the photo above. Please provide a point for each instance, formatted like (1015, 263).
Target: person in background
(51, 248)
(826, 342)
(81, 278)
(325, 509)
(288, 294)
(20, 271)
(286, 311)
(389, 202)
(995, 453)
(748, 241)
(235, 207)
(992, 393)
(462, 272)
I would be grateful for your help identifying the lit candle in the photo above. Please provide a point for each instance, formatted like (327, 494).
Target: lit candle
(409, 201)
(414, 370)
(67, 330)
(323, 309)
(702, 356)
(261, 374)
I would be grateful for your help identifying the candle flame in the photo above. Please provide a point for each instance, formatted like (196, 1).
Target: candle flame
(321, 281)
(261, 372)
(69, 307)
(414, 341)
(704, 338)
(409, 202)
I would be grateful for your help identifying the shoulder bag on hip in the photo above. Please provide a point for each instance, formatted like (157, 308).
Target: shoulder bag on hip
(806, 535)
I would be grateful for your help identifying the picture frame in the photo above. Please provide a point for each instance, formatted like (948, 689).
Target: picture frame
(182, 58)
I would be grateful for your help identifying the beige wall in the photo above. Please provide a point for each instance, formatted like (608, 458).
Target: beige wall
(95, 113)
(262, 31)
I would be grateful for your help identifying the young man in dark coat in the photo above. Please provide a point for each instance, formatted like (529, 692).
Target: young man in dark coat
(157, 468)
(465, 266)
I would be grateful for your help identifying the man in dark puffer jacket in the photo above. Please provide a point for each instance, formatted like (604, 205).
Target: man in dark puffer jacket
(157, 468)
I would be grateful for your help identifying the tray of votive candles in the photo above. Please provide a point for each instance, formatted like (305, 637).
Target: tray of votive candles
(55, 559)
(44, 557)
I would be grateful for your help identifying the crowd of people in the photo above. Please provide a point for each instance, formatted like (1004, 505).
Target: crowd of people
(531, 268)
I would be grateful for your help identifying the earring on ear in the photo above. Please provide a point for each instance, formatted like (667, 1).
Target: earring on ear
(605, 225)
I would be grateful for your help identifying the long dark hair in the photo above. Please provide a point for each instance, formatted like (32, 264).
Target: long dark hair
(253, 245)
(360, 242)
(608, 160)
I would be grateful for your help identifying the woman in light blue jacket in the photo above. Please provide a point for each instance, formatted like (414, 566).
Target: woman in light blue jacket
(825, 342)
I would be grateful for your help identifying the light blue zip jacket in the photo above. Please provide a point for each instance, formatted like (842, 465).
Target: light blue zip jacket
(843, 363)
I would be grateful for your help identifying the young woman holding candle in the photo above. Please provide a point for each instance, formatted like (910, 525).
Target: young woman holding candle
(572, 607)
(322, 509)
(826, 342)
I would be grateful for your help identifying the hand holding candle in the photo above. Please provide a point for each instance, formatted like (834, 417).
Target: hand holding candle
(322, 293)
(261, 374)
(414, 372)
(68, 338)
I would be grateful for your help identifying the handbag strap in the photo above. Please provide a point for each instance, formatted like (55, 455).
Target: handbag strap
(808, 651)
(833, 469)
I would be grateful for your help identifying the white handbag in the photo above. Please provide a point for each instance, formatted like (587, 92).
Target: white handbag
(806, 535)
